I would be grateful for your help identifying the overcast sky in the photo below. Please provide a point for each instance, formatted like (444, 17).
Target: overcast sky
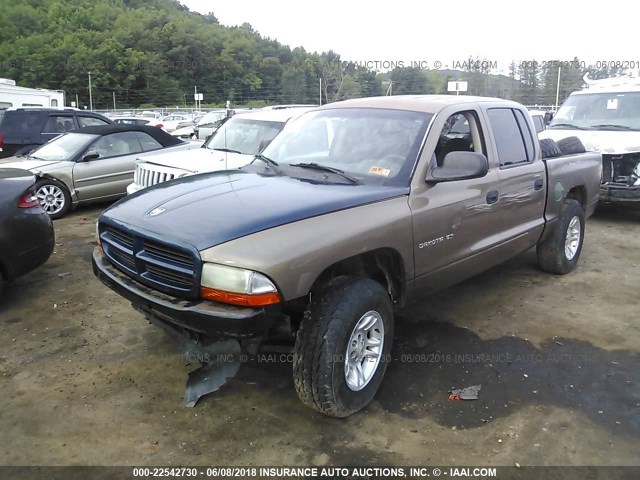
(446, 31)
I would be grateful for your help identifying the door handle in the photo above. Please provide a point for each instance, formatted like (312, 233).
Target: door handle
(492, 197)
(538, 184)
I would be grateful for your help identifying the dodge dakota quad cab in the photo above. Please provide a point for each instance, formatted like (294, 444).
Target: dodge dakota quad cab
(605, 118)
(354, 209)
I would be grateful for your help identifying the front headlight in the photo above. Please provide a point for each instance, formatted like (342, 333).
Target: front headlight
(237, 286)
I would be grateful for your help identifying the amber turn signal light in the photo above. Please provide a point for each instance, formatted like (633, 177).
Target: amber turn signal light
(242, 299)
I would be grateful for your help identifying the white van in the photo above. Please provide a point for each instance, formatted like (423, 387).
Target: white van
(606, 118)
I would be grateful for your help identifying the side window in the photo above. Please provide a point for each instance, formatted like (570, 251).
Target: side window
(461, 133)
(509, 141)
(147, 141)
(117, 144)
(526, 134)
(90, 121)
(58, 124)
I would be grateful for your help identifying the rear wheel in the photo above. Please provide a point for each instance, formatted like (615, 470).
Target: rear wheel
(343, 347)
(54, 197)
(560, 252)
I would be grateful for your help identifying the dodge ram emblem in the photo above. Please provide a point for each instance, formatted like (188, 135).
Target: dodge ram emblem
(156, 211)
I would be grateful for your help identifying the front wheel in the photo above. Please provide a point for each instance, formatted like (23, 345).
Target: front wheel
(560, 252)
(54, 197)
(343, 347)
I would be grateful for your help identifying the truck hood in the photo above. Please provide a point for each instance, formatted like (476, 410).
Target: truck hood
(213, 208)
(601, 141)
(199, 160)
(25, 164)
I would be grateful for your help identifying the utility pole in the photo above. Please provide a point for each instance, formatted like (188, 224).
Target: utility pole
(77, 102)
(558, 88)
(320, 78)
(114, 101)
(90, 97)
(195, 95)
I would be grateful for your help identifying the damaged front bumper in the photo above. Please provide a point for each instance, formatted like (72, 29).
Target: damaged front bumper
(620, 178)
(204, 317)
(619, 193)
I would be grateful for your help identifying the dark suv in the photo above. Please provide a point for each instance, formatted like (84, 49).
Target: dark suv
(23, 129)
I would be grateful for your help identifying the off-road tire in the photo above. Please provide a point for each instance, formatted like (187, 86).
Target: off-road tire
(551, 252)
(550, 148)
(571, 146)
(65, 192)
(321, 346)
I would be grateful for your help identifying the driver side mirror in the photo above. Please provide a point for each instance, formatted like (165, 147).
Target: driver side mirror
(459, 166)
(90, 155)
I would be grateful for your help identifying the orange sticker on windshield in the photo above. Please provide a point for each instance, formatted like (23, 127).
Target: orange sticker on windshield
(380, 171)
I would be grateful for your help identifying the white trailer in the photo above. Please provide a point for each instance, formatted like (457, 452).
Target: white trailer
(12, 95)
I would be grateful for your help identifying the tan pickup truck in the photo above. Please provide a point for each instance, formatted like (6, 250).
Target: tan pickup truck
(354, 209)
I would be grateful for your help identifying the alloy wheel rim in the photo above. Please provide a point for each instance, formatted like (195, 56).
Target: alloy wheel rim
(364, 350)
(51, 199)
(572, 238)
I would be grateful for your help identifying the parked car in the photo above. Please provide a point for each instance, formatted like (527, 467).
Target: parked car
(354, 209)
(23, 129)
(26, 231)
(213, 120)
(174, 121)
(138, 121)
(92, 163)
(233, 145)
(604, 118)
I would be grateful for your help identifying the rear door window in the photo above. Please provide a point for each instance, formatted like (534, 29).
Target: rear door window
(58, 124)
(509, 139)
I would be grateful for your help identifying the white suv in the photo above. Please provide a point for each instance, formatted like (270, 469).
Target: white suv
(233, 145)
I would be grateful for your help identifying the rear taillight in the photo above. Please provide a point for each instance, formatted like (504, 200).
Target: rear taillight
(1, 142)
(28, 200)
(160, 125)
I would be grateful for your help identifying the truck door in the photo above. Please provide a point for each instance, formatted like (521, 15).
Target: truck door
(454, 220)
(522, 191)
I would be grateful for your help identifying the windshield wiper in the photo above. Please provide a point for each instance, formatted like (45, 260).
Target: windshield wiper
(324, 168)
(566, 125)
(266, 160)
(228, 150)
(612, 126)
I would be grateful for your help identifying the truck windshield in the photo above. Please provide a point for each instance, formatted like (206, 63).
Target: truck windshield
(372, 145)
(244, 136)
(600, 111)
(62, 148)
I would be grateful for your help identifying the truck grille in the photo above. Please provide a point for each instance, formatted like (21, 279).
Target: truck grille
(167, 268)
(147, 175)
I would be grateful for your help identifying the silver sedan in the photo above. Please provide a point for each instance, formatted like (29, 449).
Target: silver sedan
(92, 163)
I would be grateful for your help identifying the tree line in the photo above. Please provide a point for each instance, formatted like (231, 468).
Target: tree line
(154, 52)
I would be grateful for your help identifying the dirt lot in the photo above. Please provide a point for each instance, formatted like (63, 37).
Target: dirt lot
(86, 380)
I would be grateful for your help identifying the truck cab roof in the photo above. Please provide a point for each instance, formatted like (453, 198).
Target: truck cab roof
(418, 103)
